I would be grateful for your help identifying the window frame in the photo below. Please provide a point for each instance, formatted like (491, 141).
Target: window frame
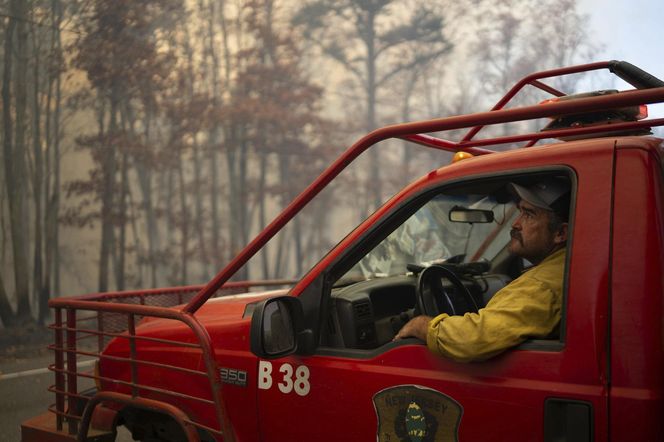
(391, 221)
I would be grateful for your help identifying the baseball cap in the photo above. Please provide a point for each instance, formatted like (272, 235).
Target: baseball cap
(542, 194)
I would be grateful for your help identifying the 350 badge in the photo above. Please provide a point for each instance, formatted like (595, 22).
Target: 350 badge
(233, 376)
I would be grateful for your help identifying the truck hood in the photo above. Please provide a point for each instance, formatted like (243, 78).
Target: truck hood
(222, 309)
(226, 319)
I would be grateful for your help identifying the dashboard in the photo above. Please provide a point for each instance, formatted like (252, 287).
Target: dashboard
(368, 314)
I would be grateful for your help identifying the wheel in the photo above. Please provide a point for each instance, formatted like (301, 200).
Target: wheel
(433, 299)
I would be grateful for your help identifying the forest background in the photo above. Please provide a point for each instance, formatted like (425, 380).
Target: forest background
(144, 143)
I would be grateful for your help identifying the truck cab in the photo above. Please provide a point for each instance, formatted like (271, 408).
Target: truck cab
(560, 388)
(318, 359)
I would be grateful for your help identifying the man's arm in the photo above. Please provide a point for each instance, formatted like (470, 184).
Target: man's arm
(521, 310)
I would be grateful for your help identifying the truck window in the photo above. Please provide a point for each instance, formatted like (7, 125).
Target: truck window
(465, 229)
(429, 237)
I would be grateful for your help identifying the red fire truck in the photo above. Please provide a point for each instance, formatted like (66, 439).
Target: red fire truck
(316, 360)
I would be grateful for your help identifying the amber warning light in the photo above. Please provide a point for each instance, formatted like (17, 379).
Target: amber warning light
(461, 156)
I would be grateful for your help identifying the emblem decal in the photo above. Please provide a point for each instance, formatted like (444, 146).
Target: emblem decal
(410, 413)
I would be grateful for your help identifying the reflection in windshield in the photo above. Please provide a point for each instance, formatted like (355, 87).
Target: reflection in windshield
(428, 236)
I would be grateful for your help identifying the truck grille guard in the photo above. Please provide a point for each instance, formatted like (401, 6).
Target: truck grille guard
(128, 307)
(84, 325)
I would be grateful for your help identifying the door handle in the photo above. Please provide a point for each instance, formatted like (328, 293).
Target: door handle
(567, 420)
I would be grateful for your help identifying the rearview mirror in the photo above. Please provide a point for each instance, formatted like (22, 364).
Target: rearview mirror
(460, 214)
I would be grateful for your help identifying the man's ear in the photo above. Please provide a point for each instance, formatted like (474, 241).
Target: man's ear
(561, 235)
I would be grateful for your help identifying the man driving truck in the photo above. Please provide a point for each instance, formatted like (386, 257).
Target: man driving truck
(528, 307)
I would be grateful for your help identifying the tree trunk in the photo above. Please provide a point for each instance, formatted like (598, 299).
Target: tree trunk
(299, 255)
(144, 174)
(48, 139)
(244, 200)
(133, 216)
(145, 183)
(15, 155)
(281, 255)
(230, 137)
(198, 212)
(405, 116)
(214, 139)
(236, 199)
(375, 184)
(281, 260)
(184, 222)
(171, 224)
(5, 310)
(39, 172)
(6, 313)
(262, 218)
(233, 194)
(196, 155)
(122, 219)
(54, 210)
(51, 160)
(108, 176)
(237, 176)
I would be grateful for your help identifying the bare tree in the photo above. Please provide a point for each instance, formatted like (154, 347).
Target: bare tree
(361, 37)
(511, 44)
(561, 40)
(280, 106)
(119, 53)
(14, 149)
(53, 137)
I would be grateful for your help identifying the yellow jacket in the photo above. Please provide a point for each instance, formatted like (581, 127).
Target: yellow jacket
(528, 307)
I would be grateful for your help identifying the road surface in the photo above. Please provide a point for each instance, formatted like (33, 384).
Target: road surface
(24, 393)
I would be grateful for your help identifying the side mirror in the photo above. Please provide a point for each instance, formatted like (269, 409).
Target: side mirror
(460, 214)
(277, 329)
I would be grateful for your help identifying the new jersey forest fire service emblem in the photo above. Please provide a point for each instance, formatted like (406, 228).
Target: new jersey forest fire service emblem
(410, 413)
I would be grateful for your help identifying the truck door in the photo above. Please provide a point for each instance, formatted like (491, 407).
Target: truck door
(361, 386)
(637, 355)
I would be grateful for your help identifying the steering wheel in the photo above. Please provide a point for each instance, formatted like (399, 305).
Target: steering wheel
(433, 299)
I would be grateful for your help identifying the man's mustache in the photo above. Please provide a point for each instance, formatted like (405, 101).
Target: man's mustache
(516, 235)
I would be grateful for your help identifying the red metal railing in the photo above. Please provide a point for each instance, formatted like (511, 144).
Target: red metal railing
(534, 80)
(83, 326)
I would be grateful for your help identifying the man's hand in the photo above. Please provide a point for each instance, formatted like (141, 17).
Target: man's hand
(415, 328)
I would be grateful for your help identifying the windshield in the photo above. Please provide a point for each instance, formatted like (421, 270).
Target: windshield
(428, 236)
